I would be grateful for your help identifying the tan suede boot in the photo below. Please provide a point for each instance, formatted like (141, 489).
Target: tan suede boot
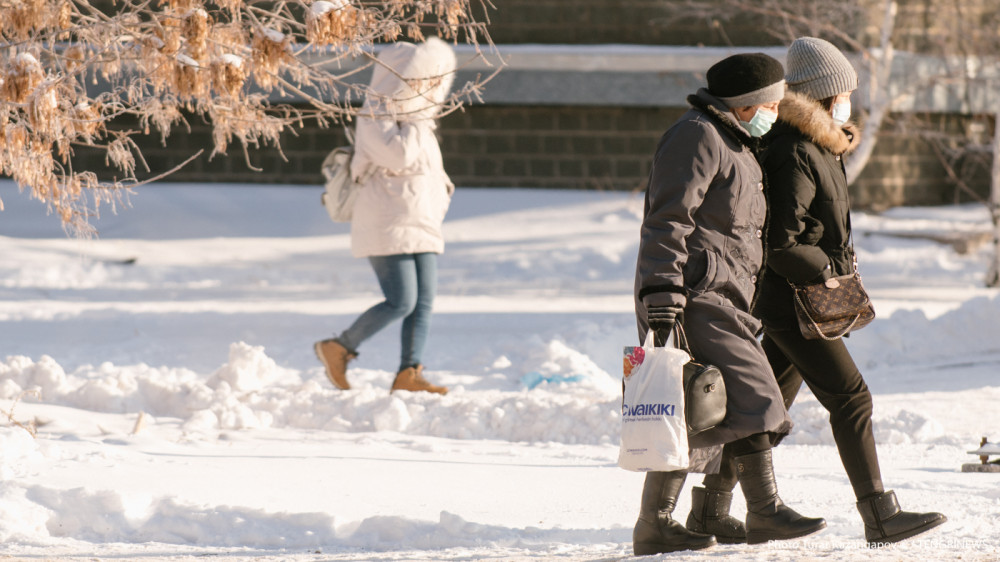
(412, 379)
(334, 357)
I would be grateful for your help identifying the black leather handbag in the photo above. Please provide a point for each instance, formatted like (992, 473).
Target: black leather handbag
(704, 392)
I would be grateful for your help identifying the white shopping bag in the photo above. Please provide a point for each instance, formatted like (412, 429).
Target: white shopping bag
(654, 435)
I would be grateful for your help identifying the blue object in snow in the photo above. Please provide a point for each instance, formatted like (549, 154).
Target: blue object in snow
(534, 378)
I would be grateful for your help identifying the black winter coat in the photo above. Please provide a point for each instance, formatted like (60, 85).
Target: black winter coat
(704, 213)
(809, 230)
(700, 246)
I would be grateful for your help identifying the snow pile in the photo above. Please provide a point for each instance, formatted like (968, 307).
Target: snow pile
(55, 274)
(812, 426)
(909, 337)
(251, 391)
(540, 391)
(107, 516)
(19, 449)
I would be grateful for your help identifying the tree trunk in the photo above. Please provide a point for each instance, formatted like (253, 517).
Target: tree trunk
(879, 73)
(993, 275)
(858, 159)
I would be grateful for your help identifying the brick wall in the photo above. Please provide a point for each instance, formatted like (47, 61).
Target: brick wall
(542, 146)
(646, 22)
(612, 148)
(483, 146)
(561, 147)
(905, 170)
(902, 170)
(298, 161)
(930, 25)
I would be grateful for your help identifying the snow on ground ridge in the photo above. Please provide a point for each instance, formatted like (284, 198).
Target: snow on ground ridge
(109, 517)
(252, 391)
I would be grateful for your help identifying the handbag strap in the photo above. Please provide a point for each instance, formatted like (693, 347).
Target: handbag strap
(681, 338)
(850, 246)
(650, 340)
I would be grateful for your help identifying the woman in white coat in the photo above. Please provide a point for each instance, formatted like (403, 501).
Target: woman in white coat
(398, 213)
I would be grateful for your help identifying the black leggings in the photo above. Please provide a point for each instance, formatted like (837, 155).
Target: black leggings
(828, 370)
(831, 375)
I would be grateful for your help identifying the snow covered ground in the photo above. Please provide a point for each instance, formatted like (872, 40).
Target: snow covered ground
(181, 413)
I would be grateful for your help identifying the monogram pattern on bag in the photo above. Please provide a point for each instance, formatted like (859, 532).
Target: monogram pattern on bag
(825, 303)
(833, 329)
(832, 309)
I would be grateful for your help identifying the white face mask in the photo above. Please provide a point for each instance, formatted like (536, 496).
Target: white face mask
(841, 112)
(760, 123)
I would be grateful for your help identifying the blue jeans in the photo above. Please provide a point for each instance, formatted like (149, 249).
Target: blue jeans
(409, 282)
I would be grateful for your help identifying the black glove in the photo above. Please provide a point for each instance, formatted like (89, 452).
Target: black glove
(661, 320)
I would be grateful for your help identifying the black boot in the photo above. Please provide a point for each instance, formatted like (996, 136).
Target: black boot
(656, 532)
(768, 519)
(710, 515)
(885, 523)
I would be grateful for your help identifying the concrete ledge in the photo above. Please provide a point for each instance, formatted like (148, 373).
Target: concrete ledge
(599, 75)
(607, 57)
(962, 242)
(979, 467)
(664, 75)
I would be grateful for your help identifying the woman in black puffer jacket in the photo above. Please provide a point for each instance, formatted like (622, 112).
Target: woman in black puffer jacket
(809, 241)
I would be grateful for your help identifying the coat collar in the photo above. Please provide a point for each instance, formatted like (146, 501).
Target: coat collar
(718, 112)
(807, 116)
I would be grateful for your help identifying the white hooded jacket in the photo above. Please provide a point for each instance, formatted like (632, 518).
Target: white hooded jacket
(406, 195)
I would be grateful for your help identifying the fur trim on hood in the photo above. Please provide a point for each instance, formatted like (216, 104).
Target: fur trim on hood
(809, 117)
(711, 105)
(411, 80)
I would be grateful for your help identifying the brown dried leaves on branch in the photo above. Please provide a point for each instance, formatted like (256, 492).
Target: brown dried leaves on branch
(70, 75)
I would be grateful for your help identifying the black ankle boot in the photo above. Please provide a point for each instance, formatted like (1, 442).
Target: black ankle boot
(885, 523)
(710, 515)
(768, 519)
(656, 531)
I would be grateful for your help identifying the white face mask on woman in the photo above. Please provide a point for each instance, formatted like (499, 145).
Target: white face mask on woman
(760, 123)
(841, 112)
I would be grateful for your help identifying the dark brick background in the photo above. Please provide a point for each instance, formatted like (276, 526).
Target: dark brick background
(540, 146)
(562, 146)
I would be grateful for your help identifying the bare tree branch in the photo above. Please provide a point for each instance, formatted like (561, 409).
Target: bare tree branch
(68, 69)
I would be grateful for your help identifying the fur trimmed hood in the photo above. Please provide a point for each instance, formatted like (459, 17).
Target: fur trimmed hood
(808, 116)
(411, 80)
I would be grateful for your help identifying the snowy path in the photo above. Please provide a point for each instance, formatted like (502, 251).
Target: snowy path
(245, 451)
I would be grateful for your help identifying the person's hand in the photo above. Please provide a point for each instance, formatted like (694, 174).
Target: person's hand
(661, 320)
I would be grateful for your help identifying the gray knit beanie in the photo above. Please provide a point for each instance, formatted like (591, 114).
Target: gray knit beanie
(818, 69)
